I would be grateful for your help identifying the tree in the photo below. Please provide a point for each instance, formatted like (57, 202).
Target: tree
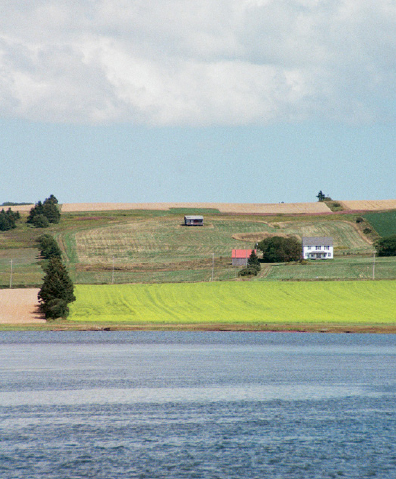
(277, 249)
(8, 219)
(321, 196)
(57, 290)
(48, 247)
(386, 246)
(49, 209)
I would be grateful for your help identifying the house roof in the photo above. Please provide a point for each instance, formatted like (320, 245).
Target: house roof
(193, 217)
(317, 241)
(242, 253)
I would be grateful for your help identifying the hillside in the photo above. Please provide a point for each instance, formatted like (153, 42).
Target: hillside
(146, 243)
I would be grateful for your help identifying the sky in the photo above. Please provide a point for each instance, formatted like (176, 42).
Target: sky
(256, 101)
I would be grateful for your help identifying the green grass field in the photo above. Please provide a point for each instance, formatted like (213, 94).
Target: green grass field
(384, 223)
(363, 302)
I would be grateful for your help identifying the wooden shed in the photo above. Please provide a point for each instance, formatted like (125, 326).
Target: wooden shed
(193, 220)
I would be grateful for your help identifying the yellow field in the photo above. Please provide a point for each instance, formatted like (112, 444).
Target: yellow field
(245, 208)
(365, 302)
(367, 205)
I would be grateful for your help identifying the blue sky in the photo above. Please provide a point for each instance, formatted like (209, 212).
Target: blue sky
(216, 101)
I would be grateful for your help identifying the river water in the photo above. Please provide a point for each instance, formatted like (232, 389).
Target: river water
(197, 405)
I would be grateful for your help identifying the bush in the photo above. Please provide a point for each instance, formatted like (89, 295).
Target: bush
(278, 249)
(249, 271)
(386, 246)
(366, 231)
(359, 219)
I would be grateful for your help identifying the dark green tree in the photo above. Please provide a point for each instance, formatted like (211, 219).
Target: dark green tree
(49, 209)
(48, 247)
(386, 246)
(277, 249)
(8, 219)
(321, 196)
(57, 290)
(40, 221)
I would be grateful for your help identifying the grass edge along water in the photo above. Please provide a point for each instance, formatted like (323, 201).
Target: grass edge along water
(238, 302)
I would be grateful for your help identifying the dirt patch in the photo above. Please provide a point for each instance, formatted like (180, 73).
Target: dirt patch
(19, 306)
(256, 237)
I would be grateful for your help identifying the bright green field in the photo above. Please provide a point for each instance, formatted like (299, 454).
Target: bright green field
(238, 302)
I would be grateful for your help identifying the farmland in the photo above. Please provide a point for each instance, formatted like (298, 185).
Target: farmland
(364, 302)
(383, 222)
(152, 246)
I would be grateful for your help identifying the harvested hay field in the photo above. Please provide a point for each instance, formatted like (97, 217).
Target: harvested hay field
(235, 208)
(261, 235)
(367, 205)
(19, 306)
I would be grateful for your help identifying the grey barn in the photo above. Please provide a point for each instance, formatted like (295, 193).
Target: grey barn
(193, 220)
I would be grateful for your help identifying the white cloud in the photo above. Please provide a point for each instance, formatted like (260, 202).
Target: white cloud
(180, 62)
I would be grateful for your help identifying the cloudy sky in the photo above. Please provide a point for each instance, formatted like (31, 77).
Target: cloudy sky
(175, 100)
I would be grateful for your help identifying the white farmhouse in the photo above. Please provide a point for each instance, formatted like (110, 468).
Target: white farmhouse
(319, 247)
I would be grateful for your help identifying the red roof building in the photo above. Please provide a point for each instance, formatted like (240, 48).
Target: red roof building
(240, 256)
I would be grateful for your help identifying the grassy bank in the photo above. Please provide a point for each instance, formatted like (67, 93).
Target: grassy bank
(255, 304)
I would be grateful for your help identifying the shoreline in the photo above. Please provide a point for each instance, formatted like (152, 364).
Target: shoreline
(319, 328)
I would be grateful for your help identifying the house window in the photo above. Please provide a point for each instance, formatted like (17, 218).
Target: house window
(309, 247)
(318, 247)
(327, 247)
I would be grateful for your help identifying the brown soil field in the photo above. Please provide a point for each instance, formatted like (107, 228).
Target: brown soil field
(253, 208)
(367, 205)
(19, 306)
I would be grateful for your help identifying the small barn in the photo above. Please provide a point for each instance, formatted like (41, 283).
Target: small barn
(240, 256)
(193, 220)
(317, 247)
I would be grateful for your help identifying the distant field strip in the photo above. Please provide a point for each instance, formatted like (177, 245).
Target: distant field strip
(366, 205)
(256, 208)
(238, 302)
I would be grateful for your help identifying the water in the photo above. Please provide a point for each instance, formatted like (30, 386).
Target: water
(197, 405)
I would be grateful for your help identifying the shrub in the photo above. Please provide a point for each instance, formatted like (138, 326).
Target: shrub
(386, 246)
(359, 219)
(366, 231)
(249, 271)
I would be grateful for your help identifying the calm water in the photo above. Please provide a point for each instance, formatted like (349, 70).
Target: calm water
(197, 405)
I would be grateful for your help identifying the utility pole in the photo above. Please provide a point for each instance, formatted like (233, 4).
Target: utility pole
(374, 266)
(11, 276)
(212, 265)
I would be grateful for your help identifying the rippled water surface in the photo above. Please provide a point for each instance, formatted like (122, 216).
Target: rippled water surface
(197, 405)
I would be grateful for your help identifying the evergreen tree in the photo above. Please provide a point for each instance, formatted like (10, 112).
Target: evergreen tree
(48, 247)
(49, 209)
(57, 290)
(8, 219)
